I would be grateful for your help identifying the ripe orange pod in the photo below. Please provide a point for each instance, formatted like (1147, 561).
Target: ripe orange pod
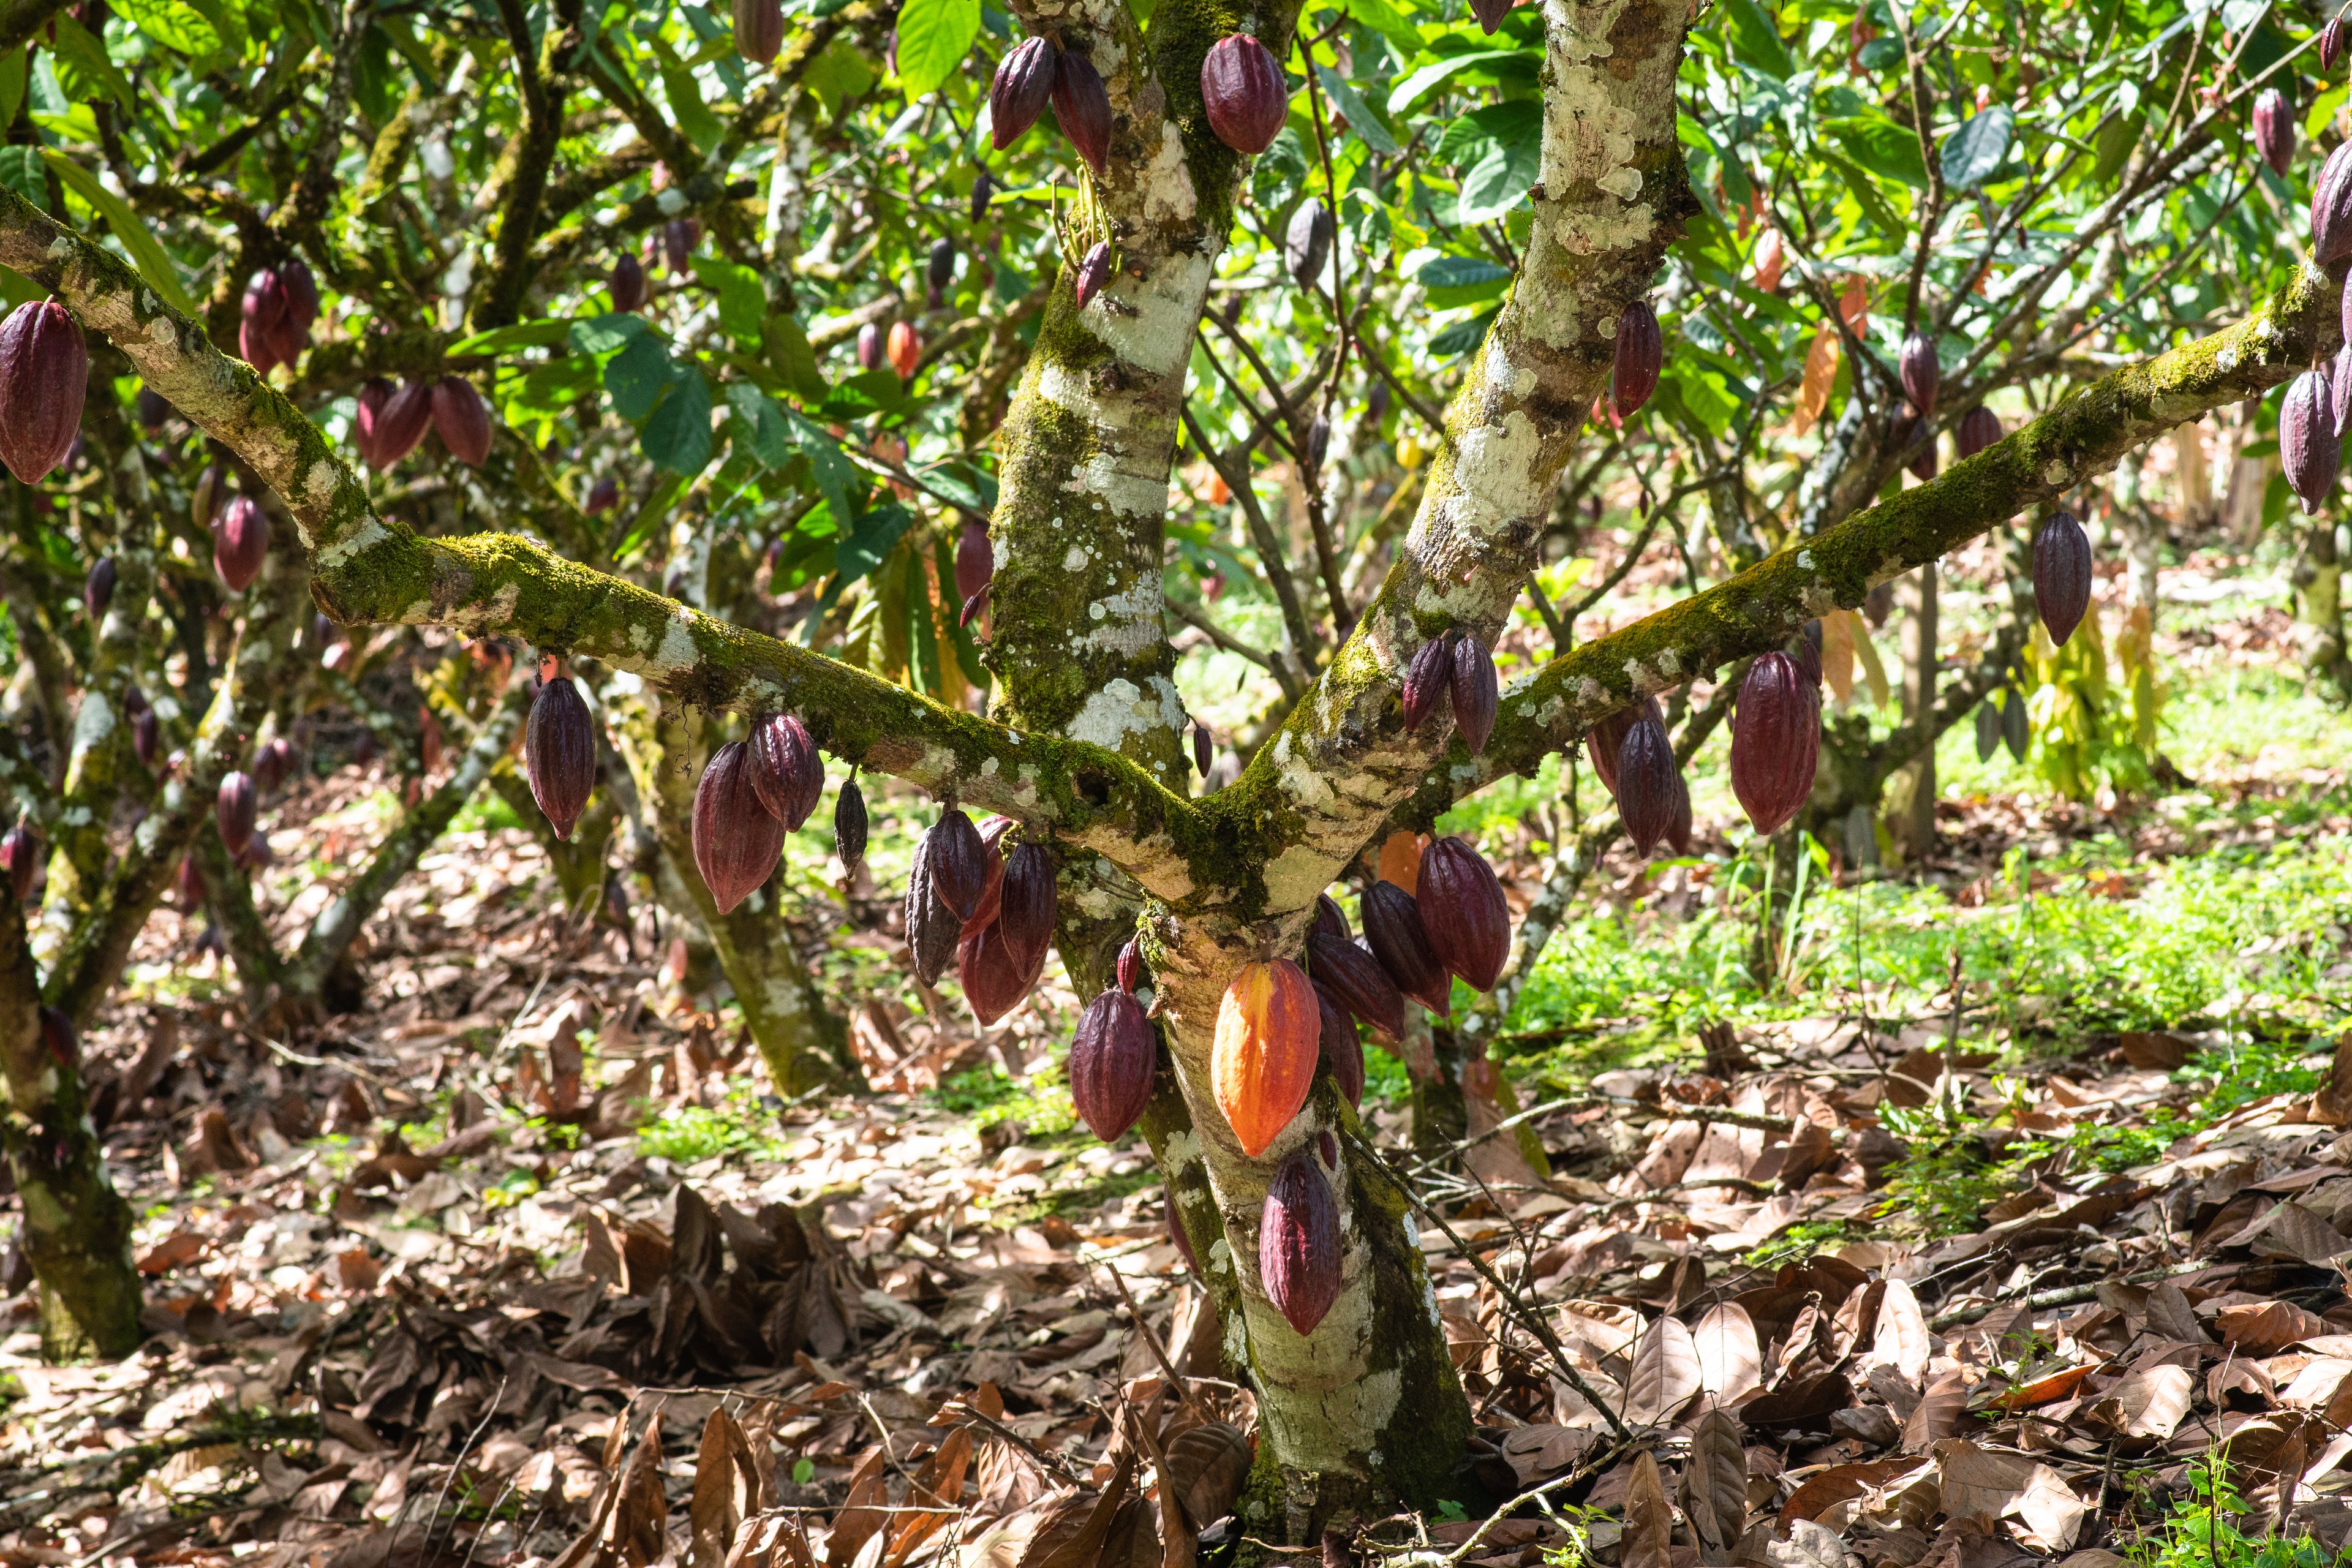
(1269, 1030)
(904, 353)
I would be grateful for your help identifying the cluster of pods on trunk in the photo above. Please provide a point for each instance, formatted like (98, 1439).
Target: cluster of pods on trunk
(393, 419)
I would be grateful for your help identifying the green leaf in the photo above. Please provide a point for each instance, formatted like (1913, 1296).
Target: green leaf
(1865, 191)
(1754, 38)
(602, 334)
(23, 172)
(684, 94)
(934, 35)
(1498, 182)
(1459, 271)
(955, 481)
(834, 472)
(1463, 336)
(636, 376)
(146, 251)
(12, 85)
(743, 297)
(924, 672)
(790, 356)
(86, 56)
(759, 425)
(1974, 150)
(869, 543)
(1360, 118)
(1389, 22)
(540, 334)
(1883, 147)
(173, 24)
(677, 434)
(1430, 77)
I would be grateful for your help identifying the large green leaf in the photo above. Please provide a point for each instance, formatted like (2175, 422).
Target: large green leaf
(677, 433)
(867, 545)
(743, 297)
(759, 425)
(173, 24)
(1972, 153)
(540, 334)
(934, 35)
(146, 251)
(1498, 182)
(634, 377)
(1360, 118)
(1430, 77)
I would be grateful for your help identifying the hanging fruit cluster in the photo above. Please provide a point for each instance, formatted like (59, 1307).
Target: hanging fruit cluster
(392, 420)
(280, 303)
(1037, 71)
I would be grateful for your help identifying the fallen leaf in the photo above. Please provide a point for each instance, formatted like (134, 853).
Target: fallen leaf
(1731, 1362)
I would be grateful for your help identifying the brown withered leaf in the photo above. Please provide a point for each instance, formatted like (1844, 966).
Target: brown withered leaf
(1901, 1340)
(1837, 663)
(2009, 1485)
(1648, 1541)
(2170, 1314)
(1715, 1485)
(863, 1513)
(1820, 377)
(1826, 1489)
(723, 1496)
(1809, 1545)
(2332, 1104)
(2268, 1325)
(1940, 1413)
(1806, 1405)
(2148, 1404)
(2154, 1052)
(1731, 1362)
(1664, 1374)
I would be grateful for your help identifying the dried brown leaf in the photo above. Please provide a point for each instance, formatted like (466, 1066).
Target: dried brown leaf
(1731, 1362)
(1664, 1374)
(1648, 1541)
(1715, 1485)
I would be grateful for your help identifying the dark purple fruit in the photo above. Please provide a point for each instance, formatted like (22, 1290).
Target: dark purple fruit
(407, 415)
(957, 859)
(1245, 93)
(98, 587)
(1307, 243)
(1024, 81)
(1428, 676)
(2062, 575)
(44, 377)
(849, 825)
(1393, 928)
(736, 842)
(1027, 905)
(1805, 648)
(20, 860)
(301, 293)
(939, 268)
(1608, 739)
(58, 1038)
(1182, 1243)
(2273, 131)
(1298, 1245)
(240, 543)
(2331, 44)
(1640, 355)
(1979, 429)
(1112, 1063)
(461, 419)
(1356, 979)
(628, 283)
(1082, 103)
(982, 189)
(1463, 912)
(1341, 1048)
(1490, 12)
(994, 979)
(603, 495)
(1921, 376)
(759, 29)
(1330, 920)
(787, 771)
(1776, 741)
(2331, 209)
(1093, 271)
(266, 312)
(976, 559)
(146, 733)
(679, 238)
(1476, 692)
(1678, 829)
(152, 409)
(2309, 448)
(558, 754)
(1312, 447)
(1130, 968)
(234, 809)
(274, 764)
(1204, 749)
(1645, 783)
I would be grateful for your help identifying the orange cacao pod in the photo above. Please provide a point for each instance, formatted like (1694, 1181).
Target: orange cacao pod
(1269, 1028)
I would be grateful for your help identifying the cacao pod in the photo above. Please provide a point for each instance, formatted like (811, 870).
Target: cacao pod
(1645, 784)
(1987, 729)
(145, 735)
(982, 189)
(869, 347)
(903, 351)
(849, 825)
(1023, 83)
(1330, 920)
(152, 410)
(2062, 575)
(1245, 93)
(1113, 1062)
(189, 886)
(2016, 729)
(1641, 355)
(57, 1036)
(680, 236)
(1026, 906)
(19, 858)
(2339, 387)
(1082, 103)
(1093, 271)
(240, 543)
(2308, 447)
(1306, 244)
(301, 293)
(1356, 979)
(204, 501)
(629, 284)
(234, 809)
(1176, 1236)
(98, 587)
(1130, 968)
(994, 980)
(1427, 676)
(1204, 748)
(933, 932)
(976, 559)
(1490, 12)
(1463, 914)
(1877, 604)
(1608, 739)
(787, 771)
(603, 495)
(1393, 929)
(276, 763)
(2331, 44)
(1268, 1040)
(939, 268)
(959, 863)
(1979, 429)
(1921, 373)
(374, 395)
(407, 415)
(1477, 692)
(2274, 131)
(1805, 648)
(736, 842)
(44, 377)
(759, 29)
(558, 754)
(1312, 447)
(1679, 829)
(1298, 1247)
(264, 312)
(1338, 1045)
(1916, 439)
(2331, 209)
(1776, 740)
(461, 419)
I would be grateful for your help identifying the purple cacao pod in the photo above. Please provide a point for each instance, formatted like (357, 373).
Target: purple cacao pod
(1112, 1063)
(1024, 83)
(1640, 355)
(759, 29)
(407, 415)
(2331, 209)
(20, 858)
(274, 763)
(58, 1038)
(1093, 271)
(44, 377)
(1979, 429)
(994, 979)
(869, 346)
(787, 770)
(1608, 739)
(849, 825)
(1307, 242)
(933, 931)
(1313, 446)
(1204, 748)
(1082, 103)
(679, 238)
(1355, 978)
(365, 424)
(1921, 373)
(1678, 829)
(2339, 387)
(982, 189)
(2308, 447)
(1340, 1047)
(152, 409)
(628, 283)
(2331, 44)
(1245, 93)
(1476, 690)
(1299, 1251)
(461, 419)
(1645, 784)
(959, 863)
(1176, 1236)
(240, 543)
(976, 559)
(1028, 903)
(146, 733)
(301, 293)
(1776, 741)
(1330, 920)
(558, 754)
(939, 268)
(2062, 575)
(260, 329)
(1428, 675)
(1805, 648)
(1393, 926)
(204, 501)
(1490, 12)
(603, 495)
(1463, 914)
(736, 843)
(98, 588)
(2274, 131)
(234, 809)
(1130, 968)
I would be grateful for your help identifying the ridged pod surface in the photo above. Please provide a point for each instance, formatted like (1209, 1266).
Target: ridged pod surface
(234, 807)
(2309, 450)
(265, 313)
(1393, 929)
(1921, 373)
(958, 861)
(1298, 1247)
(1245, 92)
(994, 979)
(44, 379)
(240, 543)
(2331, 209)
(2331, 44)
(1776, 741)
(276, 763)
(1645, 784)
(2062, 575)
(1026, 906)
(759, 29)
(627, 283)
(1463, 914)
(736, 842)
(1082, 103)
(932, 929)
(1979, 429)
(461, 419)
(1019, 93)
(1490, 14)
(1113, 1060)
(1330, 920)
(1641, 355)
(407, 415)
(558, 754)
(788, 774)
(98, 587)
(1341, 1048)
(1356, 981)
(1204, 748)
(1307, 243)
(2274, 131)
(1093, 271)
(904, 350)
(373, 395)
(976, 559)
(1269, 1031)
(849, 825)
(1606, 739)
(1678, 829)
(20, 860)
(1428, 676)
(1477, 692)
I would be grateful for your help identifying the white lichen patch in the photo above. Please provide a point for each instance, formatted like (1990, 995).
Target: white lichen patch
(678, 650)
(344, 550)
(1128, 493)
(1158, 338)
(1181, 1153)
(1168, 195)
(320, 484)
(1499, 471)
(1129, 620)
(1121, 708)
(1075, 558)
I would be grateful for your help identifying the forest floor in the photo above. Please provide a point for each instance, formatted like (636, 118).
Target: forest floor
(2003, 1220)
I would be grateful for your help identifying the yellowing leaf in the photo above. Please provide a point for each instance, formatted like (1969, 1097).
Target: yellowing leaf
(1873, 672)
(1837, 654)
(1821, 375)
(146, 252)
(1854, 306)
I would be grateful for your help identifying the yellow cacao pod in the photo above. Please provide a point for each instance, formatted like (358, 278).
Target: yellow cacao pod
(1409, 451)
(1268, 1029)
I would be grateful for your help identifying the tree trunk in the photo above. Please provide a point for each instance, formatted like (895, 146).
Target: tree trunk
(1914, 817)
(2319, 608)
